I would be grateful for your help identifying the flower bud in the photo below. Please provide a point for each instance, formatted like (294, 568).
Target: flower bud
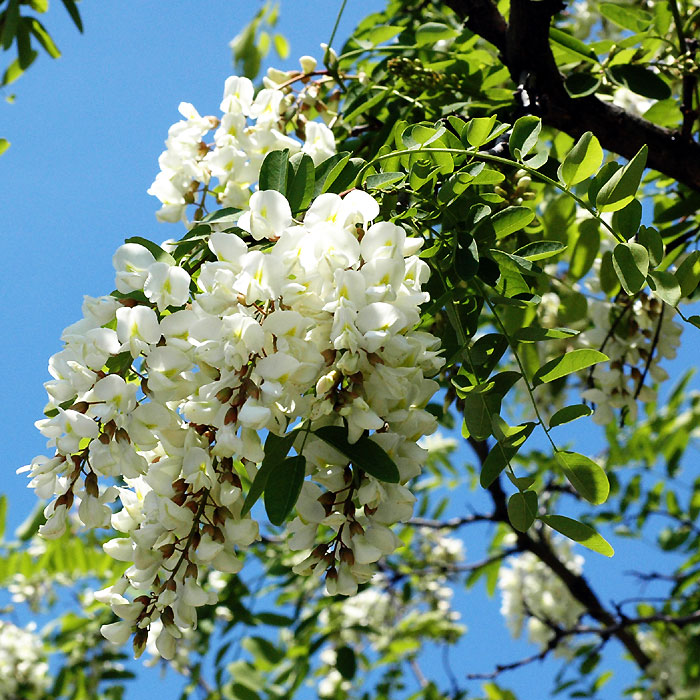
(308, 64)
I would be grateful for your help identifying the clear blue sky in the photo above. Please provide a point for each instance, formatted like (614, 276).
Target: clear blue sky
(86, 132)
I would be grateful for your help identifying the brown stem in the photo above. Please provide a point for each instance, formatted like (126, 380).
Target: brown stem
(523, 43)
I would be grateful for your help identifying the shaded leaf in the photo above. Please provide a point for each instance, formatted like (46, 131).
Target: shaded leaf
(276, 450)
(273, 171)
(665, 286)
(365, 454)
(300, 181)
(620, 189)
(533, 334)
(283, 488)
(585, 475)
(72, 9)
(640, 80)
(522, 510)
(570, 413)
(631, 264)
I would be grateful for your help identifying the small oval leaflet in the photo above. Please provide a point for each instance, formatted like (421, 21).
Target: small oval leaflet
(522, 510)
(567, 364)
(364, 454)
(588, 478)
(569, 413)
(579, 532)
(283, 488)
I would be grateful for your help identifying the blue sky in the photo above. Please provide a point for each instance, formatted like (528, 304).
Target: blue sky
(86, 132)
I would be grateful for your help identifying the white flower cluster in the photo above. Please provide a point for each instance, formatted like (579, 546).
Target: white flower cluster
(633, 337)
(666, 672)
(163, 393)
(375, 618)
(23, 668)
(251, 126)
(533, 596)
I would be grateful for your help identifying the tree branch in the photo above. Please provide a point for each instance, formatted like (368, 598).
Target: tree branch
(524, 46)
(578, 585)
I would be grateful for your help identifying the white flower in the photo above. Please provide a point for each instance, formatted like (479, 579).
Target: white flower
(166, 285)
(268, 216)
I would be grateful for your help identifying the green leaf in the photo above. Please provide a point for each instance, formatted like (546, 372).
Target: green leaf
(585, 249)
(363, 104)
(281, 45)
(620, 189)
(276, 450)
(44, 38)
(695, 320)
(522, 510)
(346, 663)
(283, 488)
(569, 413)
(502, 452)
(651, 239)
(627, 17)
(274, 171)
(640, 80)
(523, 138)
(572, 45)
(597, 182)
(608, 276)
(329, 168)
(631, 263)
(584, 159)
(479, 130)
(431, 32)
(300, 181)
(72, 9)
(158, 253)
(4, 145)
(581, 84)
(687, 274)
(365, 454)
(540, 250)
(383, 32)
(15, 69)
(533, 334)
(336, 173)
(579, 532)
(568, 363)
(585, 475)
(626, 221)
(24, 43)
(510, 220)
(3, 515)
(10, 23)
(665, 286)
(382, 180)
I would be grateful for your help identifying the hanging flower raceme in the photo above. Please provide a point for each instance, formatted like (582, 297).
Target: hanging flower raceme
(304, 329)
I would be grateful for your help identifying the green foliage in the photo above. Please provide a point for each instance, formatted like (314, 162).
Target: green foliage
(551, 279)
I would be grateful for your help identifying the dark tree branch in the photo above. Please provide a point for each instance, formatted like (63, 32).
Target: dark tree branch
(524, 46)
(578, 585)
(452, 523)
(483, 18)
